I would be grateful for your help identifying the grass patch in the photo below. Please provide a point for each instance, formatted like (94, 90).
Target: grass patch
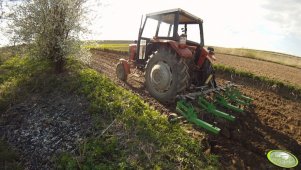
(118, 47)
(129, 134)
(138, 137)
(122, 48)
(16, 74)
(292, 89)
(16, 80)
(11, 51)
(279, 58)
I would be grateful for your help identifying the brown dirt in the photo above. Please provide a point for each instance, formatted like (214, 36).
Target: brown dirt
(273, 123)
(275, 71)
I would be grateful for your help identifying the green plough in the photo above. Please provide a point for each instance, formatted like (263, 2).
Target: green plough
(206, 100)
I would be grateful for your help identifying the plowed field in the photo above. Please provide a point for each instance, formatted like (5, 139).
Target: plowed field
(275, 71)
(273, 123)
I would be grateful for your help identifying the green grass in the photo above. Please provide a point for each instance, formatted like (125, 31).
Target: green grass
(17, 77)
(141, 138)
(17, 73)
(11, 51)
(122, 48)
(138, 138)
(270, 82)
(5, 53)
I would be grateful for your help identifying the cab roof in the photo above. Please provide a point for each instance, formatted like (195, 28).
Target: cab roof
(168, 16)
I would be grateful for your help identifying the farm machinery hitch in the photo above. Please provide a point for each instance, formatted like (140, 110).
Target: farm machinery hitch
(205, 100)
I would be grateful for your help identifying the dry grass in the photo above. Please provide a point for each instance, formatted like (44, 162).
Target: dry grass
(280, 58)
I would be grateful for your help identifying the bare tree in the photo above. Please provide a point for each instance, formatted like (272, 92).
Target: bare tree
(49, 27)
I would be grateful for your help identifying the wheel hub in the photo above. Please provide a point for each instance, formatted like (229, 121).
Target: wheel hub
(161, 76)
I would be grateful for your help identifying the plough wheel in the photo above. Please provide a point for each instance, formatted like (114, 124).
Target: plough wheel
(120, 72)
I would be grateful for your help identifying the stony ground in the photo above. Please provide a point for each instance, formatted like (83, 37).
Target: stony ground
(46, 125)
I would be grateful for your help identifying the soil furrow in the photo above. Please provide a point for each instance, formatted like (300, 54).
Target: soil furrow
(275, 71)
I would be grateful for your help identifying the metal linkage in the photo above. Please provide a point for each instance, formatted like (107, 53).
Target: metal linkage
(188, 111)
(210, 108)
(237, 97)
(222, 96)
(201, 92)
(223, 102)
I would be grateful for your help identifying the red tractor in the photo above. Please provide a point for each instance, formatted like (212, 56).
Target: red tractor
(170, 49)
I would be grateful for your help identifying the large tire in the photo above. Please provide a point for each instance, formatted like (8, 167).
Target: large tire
(120, 72)
(166, 75)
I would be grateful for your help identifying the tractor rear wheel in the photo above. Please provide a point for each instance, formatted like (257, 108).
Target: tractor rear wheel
(166, 75)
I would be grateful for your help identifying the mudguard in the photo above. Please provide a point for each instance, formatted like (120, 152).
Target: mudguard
(132, 51)
(125, 65)
(183, 51)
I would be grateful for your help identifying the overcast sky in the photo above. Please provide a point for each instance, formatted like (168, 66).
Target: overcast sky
(259, 24)
(273, 25)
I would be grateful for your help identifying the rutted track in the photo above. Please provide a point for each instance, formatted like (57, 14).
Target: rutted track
(274, 123)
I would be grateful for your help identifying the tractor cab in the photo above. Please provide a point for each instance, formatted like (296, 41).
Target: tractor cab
(170, 24)
(175, 27)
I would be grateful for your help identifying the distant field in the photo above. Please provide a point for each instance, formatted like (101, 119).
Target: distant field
(276, 66)
(273, 71)
(280, 58)
(274, 57)
(118, 47)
